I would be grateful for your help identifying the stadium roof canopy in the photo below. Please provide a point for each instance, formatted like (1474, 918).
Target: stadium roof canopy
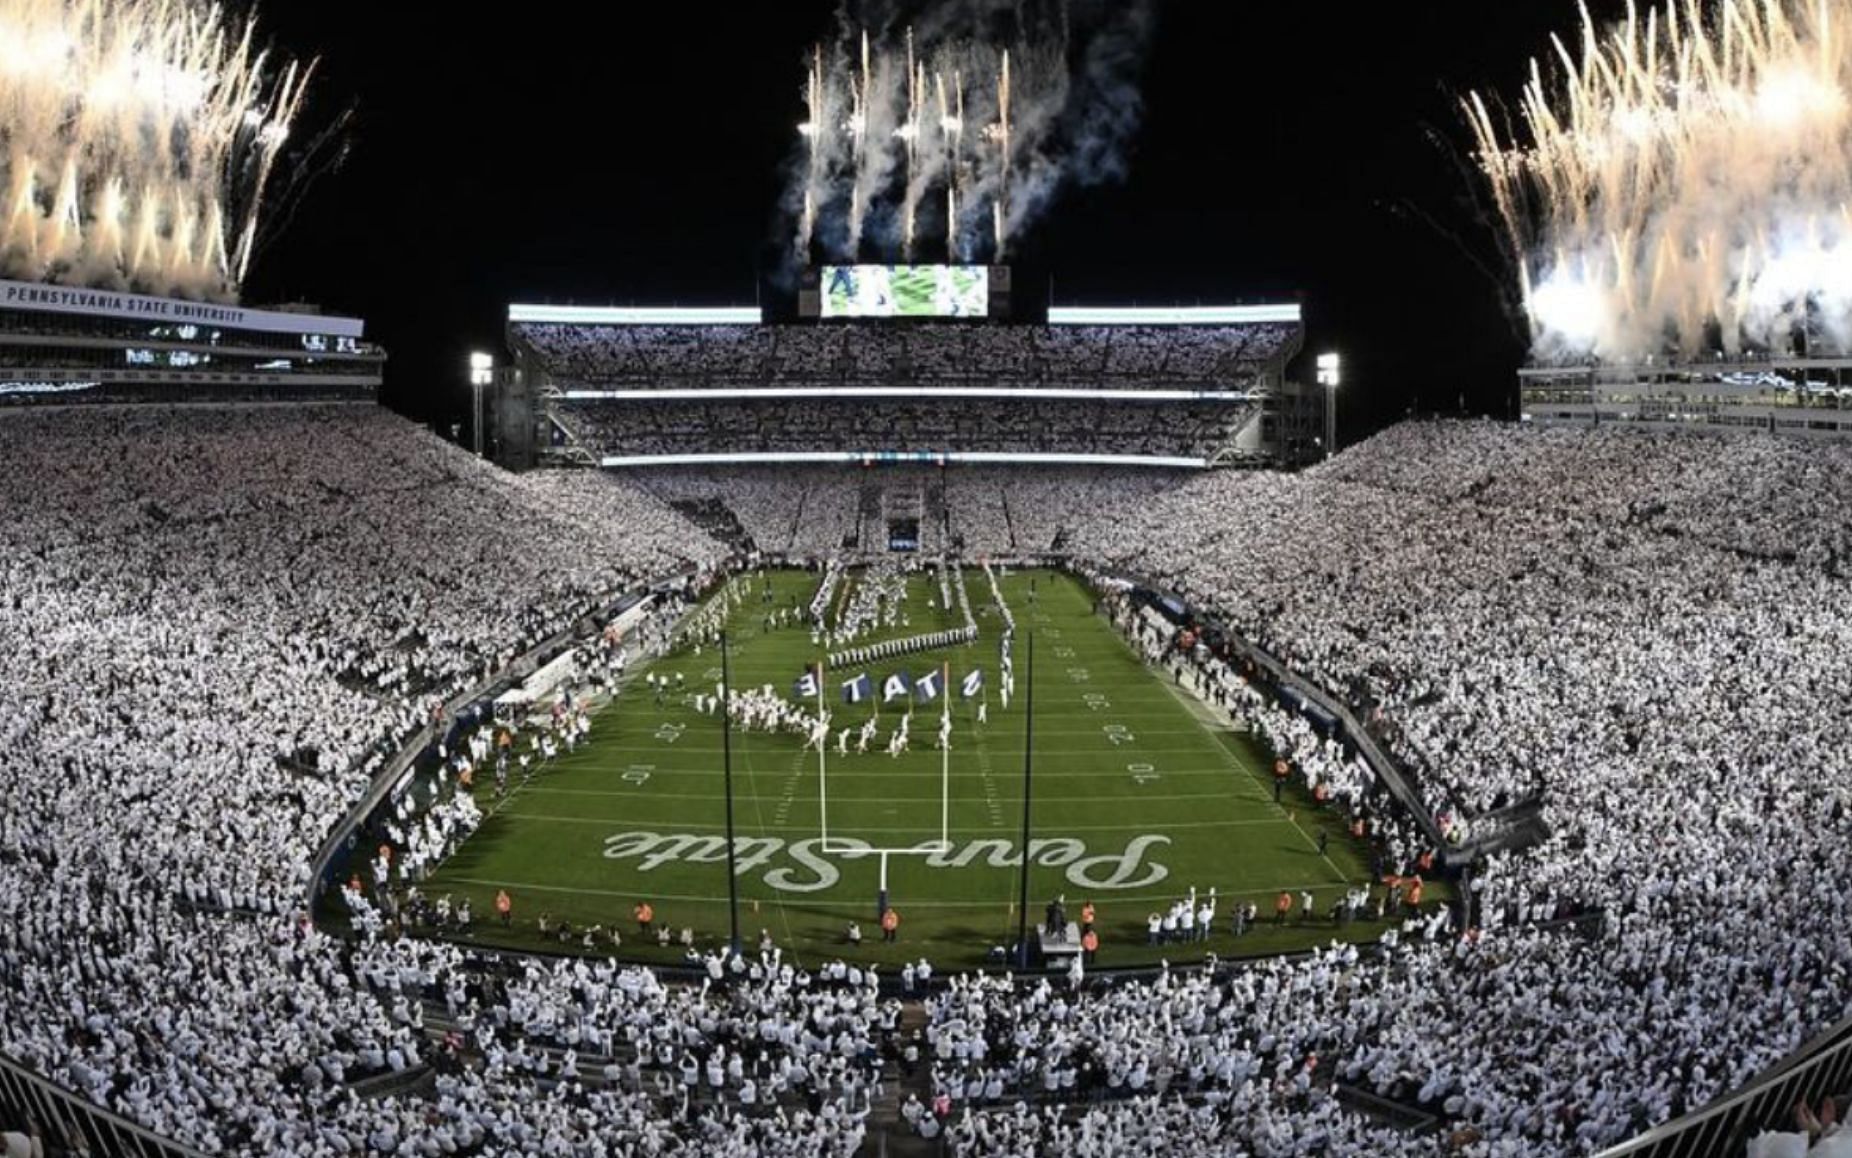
(1173, 315)
(636, 315)
(1288, 314)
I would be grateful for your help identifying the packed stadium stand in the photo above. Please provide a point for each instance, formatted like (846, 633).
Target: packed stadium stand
(617, 388)
(675, 429)
(586, 356)
(222, 621)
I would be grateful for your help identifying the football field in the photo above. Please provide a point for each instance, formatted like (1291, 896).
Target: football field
(1137, 797)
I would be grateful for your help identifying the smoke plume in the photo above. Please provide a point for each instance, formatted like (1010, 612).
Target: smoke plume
(945, 130)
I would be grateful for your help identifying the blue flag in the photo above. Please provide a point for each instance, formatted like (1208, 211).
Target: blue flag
(973, 684)
(858, 689)
(806, 687)
(896, 687)
(926, 688)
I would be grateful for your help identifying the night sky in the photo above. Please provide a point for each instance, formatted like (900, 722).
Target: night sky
(635, 155)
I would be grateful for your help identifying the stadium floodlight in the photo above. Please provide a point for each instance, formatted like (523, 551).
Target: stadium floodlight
(1331, 376)
(481, 374)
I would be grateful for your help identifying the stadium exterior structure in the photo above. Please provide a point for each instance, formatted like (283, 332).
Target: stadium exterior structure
(64, 345)
(1799, 396)
(1220, 371)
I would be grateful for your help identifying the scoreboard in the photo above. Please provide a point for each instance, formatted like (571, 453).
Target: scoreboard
(945, 292)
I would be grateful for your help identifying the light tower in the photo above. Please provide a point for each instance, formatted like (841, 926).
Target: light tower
(481, 374)
(1330, 376)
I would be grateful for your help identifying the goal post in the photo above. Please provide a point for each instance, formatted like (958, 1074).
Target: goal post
(847, 846)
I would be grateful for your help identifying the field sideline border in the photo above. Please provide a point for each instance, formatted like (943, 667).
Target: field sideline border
(331, 860)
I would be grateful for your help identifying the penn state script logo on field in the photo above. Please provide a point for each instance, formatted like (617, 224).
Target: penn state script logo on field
(804, 867)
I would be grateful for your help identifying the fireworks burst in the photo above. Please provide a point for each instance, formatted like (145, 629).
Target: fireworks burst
(1690, 168)
(904, 124)
(136, 140)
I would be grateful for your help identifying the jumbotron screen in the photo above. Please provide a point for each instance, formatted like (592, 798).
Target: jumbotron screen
(906, 291)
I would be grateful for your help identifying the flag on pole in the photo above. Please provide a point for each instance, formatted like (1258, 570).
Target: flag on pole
(926, 688)
(972, 684)
(896, 687)
(807, 685)
(858, 689)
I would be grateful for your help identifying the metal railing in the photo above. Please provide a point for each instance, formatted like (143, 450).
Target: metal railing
(329, 859)
(1821, 1068)
(1279, 674)
(65, 1119)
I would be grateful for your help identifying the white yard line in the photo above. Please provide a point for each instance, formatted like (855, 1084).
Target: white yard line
(929, 830)
(645, 794)
(1222, 892)
(1290, 815)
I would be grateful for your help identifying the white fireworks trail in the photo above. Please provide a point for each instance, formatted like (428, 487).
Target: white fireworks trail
(1688, 169)
(136, 140)
(902, 121)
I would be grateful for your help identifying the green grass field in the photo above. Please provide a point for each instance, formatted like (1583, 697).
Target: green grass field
(1136, 798)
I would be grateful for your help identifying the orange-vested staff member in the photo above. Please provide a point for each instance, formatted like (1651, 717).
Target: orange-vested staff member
(890, 926)
(504, 906)
(1282, 905)
(645, 914)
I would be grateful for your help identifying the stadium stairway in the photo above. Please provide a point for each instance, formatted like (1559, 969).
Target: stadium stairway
(1512, 829)
(418, 1081)
(936, 519)
(867, 514)
(718, 520)
(797, 521)
(888, 1132)
(1396, 1115)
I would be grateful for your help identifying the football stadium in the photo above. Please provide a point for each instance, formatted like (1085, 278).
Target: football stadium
(908, 706)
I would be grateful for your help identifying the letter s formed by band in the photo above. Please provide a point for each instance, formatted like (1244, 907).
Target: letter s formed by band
(806, 853)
